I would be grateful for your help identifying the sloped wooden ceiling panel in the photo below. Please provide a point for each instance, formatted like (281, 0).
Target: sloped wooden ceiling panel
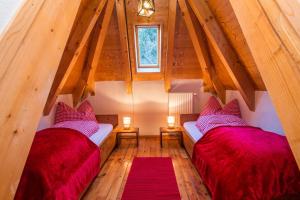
(76, 73)
(186, 64)
(229, 24)
(111, 66)
(86, 84)
(221, 71)
(276, 60)
(83, 26)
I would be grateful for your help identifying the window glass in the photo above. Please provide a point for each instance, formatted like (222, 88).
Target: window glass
(148, 48)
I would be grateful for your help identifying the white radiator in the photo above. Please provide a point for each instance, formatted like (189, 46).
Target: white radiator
(180, 103)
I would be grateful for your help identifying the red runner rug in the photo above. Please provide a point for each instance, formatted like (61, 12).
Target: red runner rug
(151, 179)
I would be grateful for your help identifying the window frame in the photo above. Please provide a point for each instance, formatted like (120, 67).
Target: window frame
(147, 68)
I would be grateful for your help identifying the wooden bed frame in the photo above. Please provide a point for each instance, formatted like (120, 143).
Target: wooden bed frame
(187, 140)
(109, 143)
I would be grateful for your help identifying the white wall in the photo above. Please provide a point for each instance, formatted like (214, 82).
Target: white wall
(8, 9)
(150, 105)
(47, 121)
(264, 116)
(150, 108)
(148, 111)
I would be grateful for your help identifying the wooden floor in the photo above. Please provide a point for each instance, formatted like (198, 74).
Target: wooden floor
(111, 181)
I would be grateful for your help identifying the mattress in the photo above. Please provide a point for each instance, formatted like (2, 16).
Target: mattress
(102, 133)
(192, 130)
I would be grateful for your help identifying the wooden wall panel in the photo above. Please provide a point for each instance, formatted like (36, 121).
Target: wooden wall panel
(229, 24)
(30, 52)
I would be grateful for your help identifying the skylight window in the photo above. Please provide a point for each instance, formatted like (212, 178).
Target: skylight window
(147, 39)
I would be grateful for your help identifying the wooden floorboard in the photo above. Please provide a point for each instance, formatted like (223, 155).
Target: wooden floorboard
(111, 181)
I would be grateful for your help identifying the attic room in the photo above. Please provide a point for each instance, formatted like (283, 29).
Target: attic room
(150, 99)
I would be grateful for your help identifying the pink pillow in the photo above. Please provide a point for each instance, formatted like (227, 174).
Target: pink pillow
(67, 113)
(209, 122)
(211, 107)
(87, 108)
(231, 108)
(87, 128)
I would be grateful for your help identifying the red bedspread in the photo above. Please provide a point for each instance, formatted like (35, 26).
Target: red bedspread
(61, 164)
(246, 163)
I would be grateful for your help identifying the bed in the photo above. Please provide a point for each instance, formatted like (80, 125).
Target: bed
(242, 162)
(76, 157)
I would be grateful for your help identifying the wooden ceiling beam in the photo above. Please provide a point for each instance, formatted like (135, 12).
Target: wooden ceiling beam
(170, 43)
(225, 51)
(276, 62)
(122, 24)
(30, 50)
(284, 15)
(86, 84)
(209, 74)
(79, 37)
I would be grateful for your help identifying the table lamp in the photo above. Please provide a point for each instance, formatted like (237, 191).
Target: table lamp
(171, 121)
(126, 122)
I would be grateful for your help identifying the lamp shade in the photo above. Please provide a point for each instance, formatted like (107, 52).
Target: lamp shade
(171, 121)
(126, 122)
(146, 8)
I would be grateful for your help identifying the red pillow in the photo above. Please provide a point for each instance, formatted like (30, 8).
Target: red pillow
(67, 113)
(87, 108)
(231, 108)
(211, 107)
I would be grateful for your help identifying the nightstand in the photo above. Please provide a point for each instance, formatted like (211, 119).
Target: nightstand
(177, 131)
(127, 133)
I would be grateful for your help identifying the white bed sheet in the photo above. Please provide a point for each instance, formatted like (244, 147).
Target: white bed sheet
(192, 130)
(102, 133)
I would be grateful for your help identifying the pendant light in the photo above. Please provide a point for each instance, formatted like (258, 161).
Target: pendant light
(146, 8)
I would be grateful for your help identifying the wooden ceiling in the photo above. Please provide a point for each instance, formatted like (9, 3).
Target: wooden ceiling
(200, 40)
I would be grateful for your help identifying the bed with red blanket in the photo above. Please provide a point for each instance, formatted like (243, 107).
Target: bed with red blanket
(61, 164)
(243, 162)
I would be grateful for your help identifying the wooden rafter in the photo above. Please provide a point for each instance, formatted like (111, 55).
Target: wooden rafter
(225, 51)
(78, 39)
(275, 61)
(122, 23)
(201, 49)
(170, 45)
(30, 50)
(86, 84)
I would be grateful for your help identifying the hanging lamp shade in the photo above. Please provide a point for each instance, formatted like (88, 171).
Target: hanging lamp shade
(146, 8)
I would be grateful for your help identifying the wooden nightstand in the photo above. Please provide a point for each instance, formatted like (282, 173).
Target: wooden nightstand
(126, 132)
(174, 131)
